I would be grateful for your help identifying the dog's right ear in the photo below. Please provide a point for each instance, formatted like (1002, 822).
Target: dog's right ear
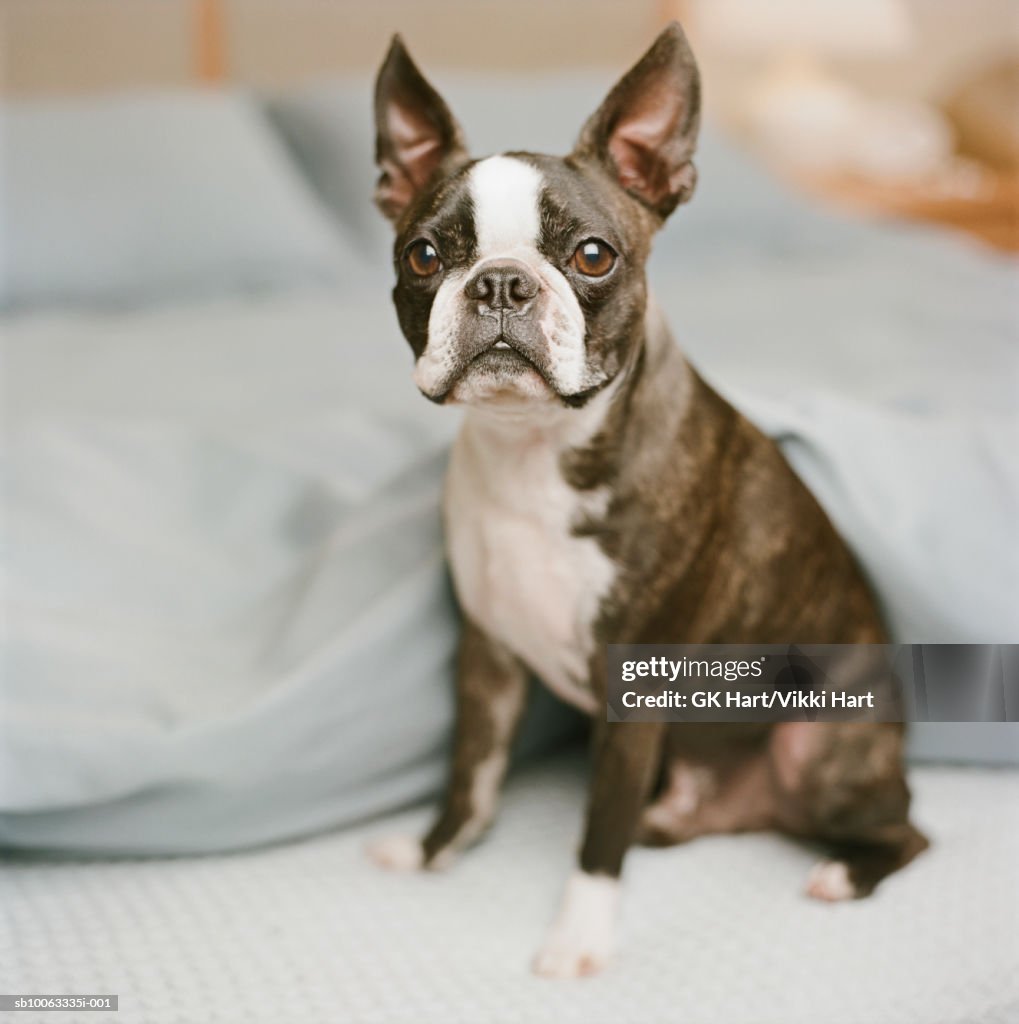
(415, 134)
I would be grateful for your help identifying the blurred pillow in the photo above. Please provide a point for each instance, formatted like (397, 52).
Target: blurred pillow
(121, 199)
(328, 129)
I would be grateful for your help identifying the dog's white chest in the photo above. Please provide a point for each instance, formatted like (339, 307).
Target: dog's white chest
(520, 572)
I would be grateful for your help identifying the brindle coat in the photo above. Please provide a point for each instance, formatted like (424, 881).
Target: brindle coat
(713, 537)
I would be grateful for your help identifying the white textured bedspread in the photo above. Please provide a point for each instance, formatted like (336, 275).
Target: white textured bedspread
(715, 932)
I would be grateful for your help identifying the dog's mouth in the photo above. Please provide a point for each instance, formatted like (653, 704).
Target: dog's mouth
(502, 370)
(502, 354)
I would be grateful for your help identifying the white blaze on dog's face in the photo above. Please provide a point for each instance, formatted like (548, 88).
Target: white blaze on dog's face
(512, 300)
(520, 277)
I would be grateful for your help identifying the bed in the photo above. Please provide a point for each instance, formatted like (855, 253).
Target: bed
(229, 623)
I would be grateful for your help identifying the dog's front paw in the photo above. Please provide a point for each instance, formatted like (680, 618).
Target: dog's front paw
(572, 956)
(397, 853)
(579, 943)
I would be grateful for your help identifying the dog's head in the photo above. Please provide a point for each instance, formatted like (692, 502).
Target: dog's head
(520, 277)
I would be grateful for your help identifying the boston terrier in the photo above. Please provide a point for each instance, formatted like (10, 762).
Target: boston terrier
(600, 492)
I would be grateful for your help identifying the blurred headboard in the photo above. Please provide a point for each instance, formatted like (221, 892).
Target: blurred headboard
(69, 46)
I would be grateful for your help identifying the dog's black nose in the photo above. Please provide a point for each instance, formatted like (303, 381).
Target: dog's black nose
(503, 284)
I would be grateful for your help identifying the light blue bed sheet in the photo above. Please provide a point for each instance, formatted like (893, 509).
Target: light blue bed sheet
(228, 617)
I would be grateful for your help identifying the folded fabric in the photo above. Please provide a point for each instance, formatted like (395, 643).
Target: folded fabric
(929, 503)
(228, 618)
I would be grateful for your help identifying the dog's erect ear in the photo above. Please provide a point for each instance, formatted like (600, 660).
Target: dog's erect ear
(645, 131)
(415, 134)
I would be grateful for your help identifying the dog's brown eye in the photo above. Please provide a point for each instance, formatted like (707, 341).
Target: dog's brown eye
(422, 258)
(593, 258)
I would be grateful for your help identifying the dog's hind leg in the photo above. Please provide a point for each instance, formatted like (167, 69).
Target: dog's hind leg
(855, 869)
(843, 785)
(698, 798)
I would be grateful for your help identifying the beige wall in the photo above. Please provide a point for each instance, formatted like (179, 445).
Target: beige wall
(71, 45)
(274, 43)
(81, 45)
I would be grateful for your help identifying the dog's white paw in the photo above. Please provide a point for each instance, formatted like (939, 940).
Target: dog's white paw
(829, 881)
(580, 941)
(397, 853)
(572, 956)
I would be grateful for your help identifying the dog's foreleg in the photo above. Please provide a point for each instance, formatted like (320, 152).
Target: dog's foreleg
(627, 758)
(491, 694)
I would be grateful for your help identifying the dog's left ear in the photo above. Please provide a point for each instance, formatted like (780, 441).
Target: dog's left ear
(645, 131)
(415, 134)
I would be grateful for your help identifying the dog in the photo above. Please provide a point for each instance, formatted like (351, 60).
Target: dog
(600, 492)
